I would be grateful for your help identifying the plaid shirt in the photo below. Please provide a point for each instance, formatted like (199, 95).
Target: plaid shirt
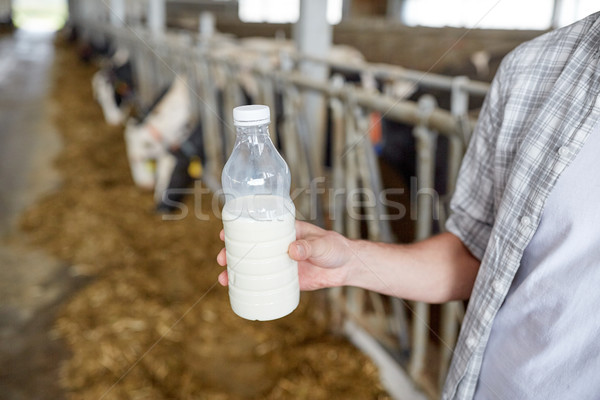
(541, 107)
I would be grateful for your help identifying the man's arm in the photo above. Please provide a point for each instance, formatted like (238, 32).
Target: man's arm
(434, 270)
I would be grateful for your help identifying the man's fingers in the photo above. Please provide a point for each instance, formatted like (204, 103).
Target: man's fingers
(222, 258)
(222, 261)
(223, 278)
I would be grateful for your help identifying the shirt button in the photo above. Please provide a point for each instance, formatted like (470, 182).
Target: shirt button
(558, 167)
(471, 342)
(525, 221)
(487, 315)
(563, 151)
(497, 285)
(539, 201)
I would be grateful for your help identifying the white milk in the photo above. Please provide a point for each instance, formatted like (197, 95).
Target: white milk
(263, 279)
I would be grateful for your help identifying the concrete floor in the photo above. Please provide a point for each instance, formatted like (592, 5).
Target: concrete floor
(32, 284)
(27, 139)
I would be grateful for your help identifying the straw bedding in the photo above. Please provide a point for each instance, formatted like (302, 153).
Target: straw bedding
(152, 323)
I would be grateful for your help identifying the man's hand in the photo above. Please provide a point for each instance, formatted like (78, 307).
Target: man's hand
(321, 255)
(434, 270)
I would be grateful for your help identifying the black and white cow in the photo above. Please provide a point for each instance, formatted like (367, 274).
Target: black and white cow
(91, 47)
(398, 145)
(113, 87)
(189, 161)
(162, 149)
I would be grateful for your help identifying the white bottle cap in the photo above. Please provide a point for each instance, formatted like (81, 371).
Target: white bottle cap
(251, 115)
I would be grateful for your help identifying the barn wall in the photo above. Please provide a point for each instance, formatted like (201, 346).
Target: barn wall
(386, 41)
(444, 50)
(368, 7)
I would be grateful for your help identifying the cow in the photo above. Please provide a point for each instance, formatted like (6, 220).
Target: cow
(161, 145)
(90, 46)
(189, 162)
(113, 87)
(398, 145)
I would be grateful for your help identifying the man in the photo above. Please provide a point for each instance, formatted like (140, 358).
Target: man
(523, 242)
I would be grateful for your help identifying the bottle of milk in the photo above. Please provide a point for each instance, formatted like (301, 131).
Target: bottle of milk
(258, 219)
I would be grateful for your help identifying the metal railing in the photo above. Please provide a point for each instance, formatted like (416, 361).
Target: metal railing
(217, 81)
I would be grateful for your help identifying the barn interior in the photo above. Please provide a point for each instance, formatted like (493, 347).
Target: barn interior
(108, 285)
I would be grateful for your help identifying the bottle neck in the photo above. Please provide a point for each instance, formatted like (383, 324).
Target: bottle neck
(254, 134)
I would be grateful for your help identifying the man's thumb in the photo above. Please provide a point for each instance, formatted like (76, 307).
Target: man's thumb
(299, 250)
(303, 249)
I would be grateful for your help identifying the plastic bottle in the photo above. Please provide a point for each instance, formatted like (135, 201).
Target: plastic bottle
(258, 219)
